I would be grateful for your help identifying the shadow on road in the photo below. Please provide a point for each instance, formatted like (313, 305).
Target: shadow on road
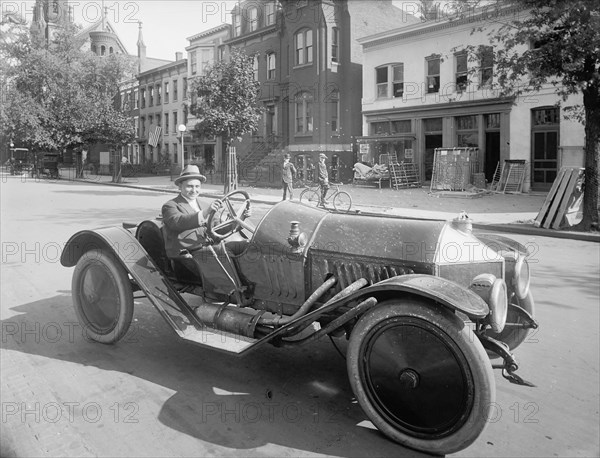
(298, 398)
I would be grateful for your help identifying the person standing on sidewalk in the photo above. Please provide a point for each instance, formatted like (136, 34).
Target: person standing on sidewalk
(323, 178)
(288, 171)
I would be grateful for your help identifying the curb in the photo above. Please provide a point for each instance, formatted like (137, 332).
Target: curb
(499, 227)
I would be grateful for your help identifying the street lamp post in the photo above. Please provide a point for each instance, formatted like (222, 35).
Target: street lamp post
(182, 129)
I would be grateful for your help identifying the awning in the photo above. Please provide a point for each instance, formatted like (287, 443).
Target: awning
(385, 138)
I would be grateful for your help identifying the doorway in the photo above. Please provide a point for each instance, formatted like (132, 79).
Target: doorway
(492, 154)
(431, 143)
(544, 138)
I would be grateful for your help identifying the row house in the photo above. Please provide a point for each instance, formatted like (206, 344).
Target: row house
(419, 94)
(161, 111)
(204, 49)
(308, 62)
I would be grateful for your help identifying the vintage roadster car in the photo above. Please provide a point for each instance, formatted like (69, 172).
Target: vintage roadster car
(426, 305)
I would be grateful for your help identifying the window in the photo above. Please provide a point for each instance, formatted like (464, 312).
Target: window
(158, 121)
(150, 120)
(237, 25)
(175, 155)
(271, 66)
(335, 44)
(158, 94)
(433, 74)
(304, 47)
(143, 97)
(174, 90)
(255, 67)
(167, 92)
(335, 111)
(142, 126)
(461, 78)
(271, 13)
(381, 79)
(304, 120)
(467, 131)
(545, 116)
(102, 50)
(193, 63)
(398, 80)
(185, 114)
(185, 88)
(486, 63)
(136, 98)
(390, 80)
(252, 19)
(136, 125)
(150, 96)
(167, 124)
(175, 121)
(206, 59)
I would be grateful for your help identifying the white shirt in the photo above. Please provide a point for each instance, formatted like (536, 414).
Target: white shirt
(194, 204)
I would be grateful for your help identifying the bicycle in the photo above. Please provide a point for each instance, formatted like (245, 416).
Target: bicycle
(341, 200)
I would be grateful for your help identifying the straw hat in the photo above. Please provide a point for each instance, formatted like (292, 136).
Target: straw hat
(190, 172)
(322, 156)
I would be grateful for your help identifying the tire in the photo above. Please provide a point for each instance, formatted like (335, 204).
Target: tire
(102, 296)
(342, 201)
(514, 336)
(421, 375)
(310, 197)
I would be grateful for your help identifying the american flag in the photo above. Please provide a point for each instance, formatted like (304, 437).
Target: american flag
(154, 135)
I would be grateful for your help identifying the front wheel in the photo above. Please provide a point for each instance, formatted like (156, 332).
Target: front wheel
(310, 197)
(421, 376)
(342, 201)
(102, 296)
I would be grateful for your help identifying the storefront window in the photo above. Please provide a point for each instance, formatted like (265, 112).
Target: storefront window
(467, 132)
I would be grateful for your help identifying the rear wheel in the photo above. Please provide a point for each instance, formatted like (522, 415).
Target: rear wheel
(342, 201)
(310, 197)
(102, 296)
(421, 376)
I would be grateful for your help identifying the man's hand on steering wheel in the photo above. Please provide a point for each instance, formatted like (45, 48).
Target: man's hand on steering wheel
(235, 218)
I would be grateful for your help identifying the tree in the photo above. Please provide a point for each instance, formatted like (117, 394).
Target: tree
(565, 55)
(225, 99)
(57, 96)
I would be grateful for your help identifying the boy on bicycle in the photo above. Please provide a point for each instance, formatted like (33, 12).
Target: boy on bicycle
(323, 178)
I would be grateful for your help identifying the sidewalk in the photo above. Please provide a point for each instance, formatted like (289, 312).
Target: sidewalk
(501, 212)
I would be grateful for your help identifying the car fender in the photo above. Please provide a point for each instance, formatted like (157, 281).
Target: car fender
(445, 292)
(123, 245)
(119, 241)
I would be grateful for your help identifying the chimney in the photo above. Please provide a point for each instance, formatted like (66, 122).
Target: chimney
(178, 56)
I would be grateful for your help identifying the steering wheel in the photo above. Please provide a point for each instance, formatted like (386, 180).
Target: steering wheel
(231, 219)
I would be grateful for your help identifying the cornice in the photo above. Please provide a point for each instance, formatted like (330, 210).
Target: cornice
(433, 27)
(249, 36)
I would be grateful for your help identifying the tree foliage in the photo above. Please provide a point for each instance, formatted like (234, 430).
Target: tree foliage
(553, 44)
(57, 95)
(225, 98)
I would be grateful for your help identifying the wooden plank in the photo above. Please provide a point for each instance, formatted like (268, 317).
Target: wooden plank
(557, 199)
(549, 198)
(575, 174)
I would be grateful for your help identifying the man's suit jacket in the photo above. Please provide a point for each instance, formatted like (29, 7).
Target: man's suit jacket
(287, 172)
(182, 228)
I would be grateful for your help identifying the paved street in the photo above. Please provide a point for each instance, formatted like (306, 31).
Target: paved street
(154, 395)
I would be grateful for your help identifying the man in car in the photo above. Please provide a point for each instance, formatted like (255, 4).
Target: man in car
(183, 217)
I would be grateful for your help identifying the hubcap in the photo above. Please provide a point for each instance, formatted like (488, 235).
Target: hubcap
(100, 298)
(416, 377)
